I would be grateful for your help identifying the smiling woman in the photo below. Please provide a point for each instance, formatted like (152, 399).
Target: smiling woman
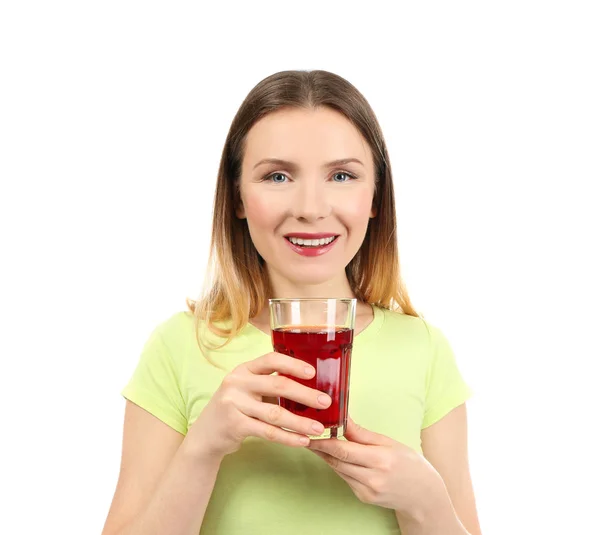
(304, 208)
(306, 199)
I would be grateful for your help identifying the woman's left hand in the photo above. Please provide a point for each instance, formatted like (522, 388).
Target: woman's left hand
(382, 471)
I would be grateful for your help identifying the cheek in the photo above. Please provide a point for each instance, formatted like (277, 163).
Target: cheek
(260, 211)
(357, 208)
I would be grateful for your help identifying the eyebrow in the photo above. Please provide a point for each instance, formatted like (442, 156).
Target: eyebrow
(294, 166)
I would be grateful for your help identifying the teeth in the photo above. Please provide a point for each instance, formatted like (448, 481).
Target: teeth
(311, 243)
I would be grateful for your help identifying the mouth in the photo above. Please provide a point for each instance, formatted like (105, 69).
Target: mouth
(310, 243)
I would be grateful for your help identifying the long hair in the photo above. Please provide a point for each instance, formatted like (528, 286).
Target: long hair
(237, 285)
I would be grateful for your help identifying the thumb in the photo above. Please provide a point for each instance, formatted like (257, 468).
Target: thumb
(356, 433)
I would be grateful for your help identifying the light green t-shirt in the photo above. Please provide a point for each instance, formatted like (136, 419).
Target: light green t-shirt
(403, 378)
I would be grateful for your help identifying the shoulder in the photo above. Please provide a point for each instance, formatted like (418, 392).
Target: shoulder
(188, 338)
(414, 331)
(406, 325)
(183, 325)
(176, 334)
(175, 325)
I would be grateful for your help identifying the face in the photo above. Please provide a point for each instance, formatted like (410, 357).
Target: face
(308, 212)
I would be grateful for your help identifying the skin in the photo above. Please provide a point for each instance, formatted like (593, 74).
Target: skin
(166, 478)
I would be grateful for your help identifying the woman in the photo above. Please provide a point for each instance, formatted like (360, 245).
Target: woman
(204, 446)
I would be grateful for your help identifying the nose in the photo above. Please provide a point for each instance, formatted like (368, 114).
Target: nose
(311, 202)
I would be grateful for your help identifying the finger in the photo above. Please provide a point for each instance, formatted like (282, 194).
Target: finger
(280, 417)
(356, 433)
(280, 386)
(362, 492)
(277, 362)
(348, 452)
(272, 433)
(357, 473)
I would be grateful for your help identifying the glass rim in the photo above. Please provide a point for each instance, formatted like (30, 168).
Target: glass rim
(312, 299)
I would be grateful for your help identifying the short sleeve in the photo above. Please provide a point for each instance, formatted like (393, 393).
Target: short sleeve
(446, 388)
(155, 384)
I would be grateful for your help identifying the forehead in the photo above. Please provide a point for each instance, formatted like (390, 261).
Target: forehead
(305, 136)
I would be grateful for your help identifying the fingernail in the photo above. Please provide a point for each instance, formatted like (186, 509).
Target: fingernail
(309, 371)
(324, 399)
(318, 428)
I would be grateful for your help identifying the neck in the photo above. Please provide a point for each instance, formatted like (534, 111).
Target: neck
(282, 288)
(336, 287)
(340, 287)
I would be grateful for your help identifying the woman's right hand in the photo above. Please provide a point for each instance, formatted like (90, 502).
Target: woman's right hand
(238, 410)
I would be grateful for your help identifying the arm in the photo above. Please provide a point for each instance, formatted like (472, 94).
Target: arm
(438, 519)
(162, 488)
(166, 479)
(445, 447)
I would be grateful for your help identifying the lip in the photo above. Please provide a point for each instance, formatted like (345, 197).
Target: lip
(312, 251)
(306, 236)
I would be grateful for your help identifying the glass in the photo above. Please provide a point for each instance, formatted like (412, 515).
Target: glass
(319, 332)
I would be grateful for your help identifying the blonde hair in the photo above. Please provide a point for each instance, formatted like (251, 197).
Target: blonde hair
(237, 285)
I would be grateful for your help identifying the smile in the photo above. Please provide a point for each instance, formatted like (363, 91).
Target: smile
(303, 242)
(311, 247)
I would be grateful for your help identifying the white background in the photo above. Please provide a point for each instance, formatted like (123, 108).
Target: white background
(113, 116)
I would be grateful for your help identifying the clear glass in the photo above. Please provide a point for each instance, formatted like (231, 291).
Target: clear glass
(319, 332)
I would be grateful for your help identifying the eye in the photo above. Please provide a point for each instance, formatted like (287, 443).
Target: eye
(276, 178)
(343, 174)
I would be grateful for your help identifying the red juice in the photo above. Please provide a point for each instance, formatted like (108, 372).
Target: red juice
(329, 353)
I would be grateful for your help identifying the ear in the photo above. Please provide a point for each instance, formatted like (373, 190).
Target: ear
(373, 204)
(240, 211)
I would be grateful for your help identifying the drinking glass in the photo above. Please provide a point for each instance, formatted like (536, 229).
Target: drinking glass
(319, 332)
